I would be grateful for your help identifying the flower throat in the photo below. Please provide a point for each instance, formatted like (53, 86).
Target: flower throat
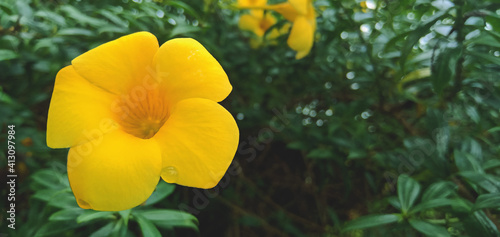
(142, 112)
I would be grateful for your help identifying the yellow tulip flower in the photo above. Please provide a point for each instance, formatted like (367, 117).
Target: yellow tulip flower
(132, 112)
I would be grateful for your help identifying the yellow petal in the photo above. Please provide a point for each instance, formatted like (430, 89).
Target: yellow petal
(250, 23)
(117, 65)
(117, 173)
(311, 14)
(257, 13)
(267, 21)
(300, 6)
(186, 70)
(301, 37)
(79, 111)
(251, 3)
(275, 33)
(285, 28)
(286, 10)
(198, 143)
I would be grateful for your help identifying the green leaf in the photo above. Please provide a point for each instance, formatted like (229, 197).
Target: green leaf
(461, 205)
(6, 7)
(48, 179)
(125, 215)
(183, 30)
(75, 31)
(120, 228)
(113, 18)
(471, 111)
(320, 153)
(408, 191)
(44, 195)
(63, 200)
(357, 154)
(90, 215)
(189, 10)
(484, 57)
(162, 191)
(298, 145)
(432, 204)
(414, 75)
(490, 200)
(53, 228)
(170, 218)
(104, 231)
(371, 221)
(466, 162)
(440, 189)
(112, 29)
(394, 201)
(5, 98)
(494, 129)
(6, 54)
(442, 4)
(488, 182)
(478, 224)
(416, 34)
(490, 164)
(485, 39)
(24, 9)
(167, 215)
(443, 69)
(52, 17)
(147, 227)
(428, 228)
(66, 214)
(80, 17)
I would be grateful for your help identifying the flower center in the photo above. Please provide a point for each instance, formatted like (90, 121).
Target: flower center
(141, 112)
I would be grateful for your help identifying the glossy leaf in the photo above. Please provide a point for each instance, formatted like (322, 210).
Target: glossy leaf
(490, 200)
(91, 215)
(408, 191)
(429, 229)
(162, 191)
(147, 227)
(371, 221)
(443, 69)
(414, 35)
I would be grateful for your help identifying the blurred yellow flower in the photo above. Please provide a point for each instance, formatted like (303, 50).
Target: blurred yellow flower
(251, 3)
(364, 7)
(367, 5)
(303, 16)
(132, 112)
(259, 23)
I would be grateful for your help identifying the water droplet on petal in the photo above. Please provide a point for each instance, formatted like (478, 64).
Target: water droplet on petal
(170, 174)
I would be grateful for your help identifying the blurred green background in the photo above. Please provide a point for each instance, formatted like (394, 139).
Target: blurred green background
(389, 127)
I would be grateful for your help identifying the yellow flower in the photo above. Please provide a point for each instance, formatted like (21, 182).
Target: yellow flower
(251, 3)
(303, 16)
(259, 23)
(132, 111)
(364, 6)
